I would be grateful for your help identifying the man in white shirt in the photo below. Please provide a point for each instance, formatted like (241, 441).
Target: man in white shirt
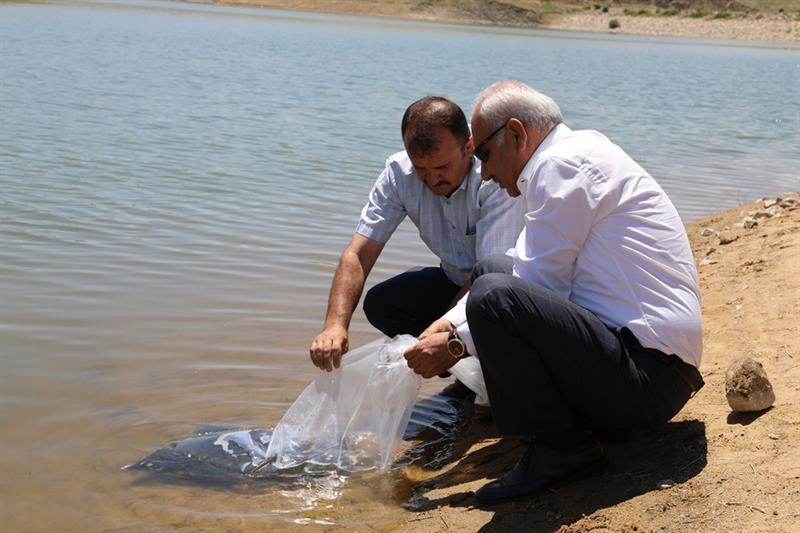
(462, 219)
(594, 321)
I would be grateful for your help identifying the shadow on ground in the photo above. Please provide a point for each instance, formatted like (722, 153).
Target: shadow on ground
(674, 452)
(745, 419)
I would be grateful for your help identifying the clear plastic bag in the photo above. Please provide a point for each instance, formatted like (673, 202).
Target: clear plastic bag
(468, 371)
(353, 417)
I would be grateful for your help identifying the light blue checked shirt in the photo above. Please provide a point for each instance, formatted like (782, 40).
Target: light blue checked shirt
(477, 220)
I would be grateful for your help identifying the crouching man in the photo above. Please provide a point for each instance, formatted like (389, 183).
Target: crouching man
(436, 182)
(594, 321)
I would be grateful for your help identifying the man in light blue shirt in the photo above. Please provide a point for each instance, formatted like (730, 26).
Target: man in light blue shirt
(436, 182)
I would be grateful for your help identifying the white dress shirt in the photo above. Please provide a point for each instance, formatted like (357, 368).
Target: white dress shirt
(477, 220)
(601, 232)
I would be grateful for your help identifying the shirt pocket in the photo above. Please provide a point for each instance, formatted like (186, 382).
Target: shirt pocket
(470, 239)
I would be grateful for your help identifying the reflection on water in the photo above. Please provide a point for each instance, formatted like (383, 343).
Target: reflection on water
(177, 181)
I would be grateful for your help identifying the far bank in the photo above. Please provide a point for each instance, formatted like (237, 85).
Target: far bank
(709, 20)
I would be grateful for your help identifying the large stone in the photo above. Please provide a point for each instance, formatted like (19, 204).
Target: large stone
(747, 387)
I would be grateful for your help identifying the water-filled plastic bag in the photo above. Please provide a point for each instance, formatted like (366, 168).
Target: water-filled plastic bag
(354, 417)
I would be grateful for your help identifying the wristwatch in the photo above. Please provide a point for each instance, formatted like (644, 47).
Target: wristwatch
(455, 346)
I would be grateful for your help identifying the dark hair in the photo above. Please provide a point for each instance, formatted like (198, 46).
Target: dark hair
(424, 116)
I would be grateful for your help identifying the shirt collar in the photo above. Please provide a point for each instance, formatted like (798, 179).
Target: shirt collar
(555, 135)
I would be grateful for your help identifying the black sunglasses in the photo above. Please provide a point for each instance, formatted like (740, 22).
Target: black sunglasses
(480, 152)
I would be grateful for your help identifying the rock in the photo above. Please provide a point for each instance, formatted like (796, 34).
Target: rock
(747, 387)
(769, 202)
(707, 232)
(726, 237)
(707, 261)
(665, 484)
(749, 223)
(775, 211)
(787, 203)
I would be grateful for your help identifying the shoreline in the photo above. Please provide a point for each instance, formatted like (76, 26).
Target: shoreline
(716, 470)
(772, 28)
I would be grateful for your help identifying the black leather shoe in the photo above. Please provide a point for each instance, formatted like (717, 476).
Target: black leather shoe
(543, 467)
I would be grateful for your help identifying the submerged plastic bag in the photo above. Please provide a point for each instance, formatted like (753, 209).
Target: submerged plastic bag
(353, 417)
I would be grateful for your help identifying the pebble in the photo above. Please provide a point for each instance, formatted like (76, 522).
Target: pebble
(749, 223)
(774, 211)
(772, 207)
(665, 484)
(707, 232)
(747, 387)
(726, 237)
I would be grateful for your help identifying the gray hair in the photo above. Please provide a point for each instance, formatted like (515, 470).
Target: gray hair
(508, 99)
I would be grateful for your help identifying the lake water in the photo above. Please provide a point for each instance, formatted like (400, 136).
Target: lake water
(177, 181)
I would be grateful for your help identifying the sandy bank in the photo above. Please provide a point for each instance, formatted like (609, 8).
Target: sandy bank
(773, 29)
(759, 27)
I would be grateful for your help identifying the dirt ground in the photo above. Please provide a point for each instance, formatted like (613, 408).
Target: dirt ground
(709, 469)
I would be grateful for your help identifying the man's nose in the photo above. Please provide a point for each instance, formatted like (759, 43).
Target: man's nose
(432, 177)
(429, 178)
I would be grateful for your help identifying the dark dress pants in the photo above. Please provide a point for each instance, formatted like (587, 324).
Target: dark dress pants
(551, 366)
(409, 302)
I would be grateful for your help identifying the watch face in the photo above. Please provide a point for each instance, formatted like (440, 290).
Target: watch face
(455, 347)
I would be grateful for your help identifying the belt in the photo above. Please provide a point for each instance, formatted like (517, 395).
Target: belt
(687, 372)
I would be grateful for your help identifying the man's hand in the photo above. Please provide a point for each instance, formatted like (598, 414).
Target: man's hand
(441, 325)
(327, 349)
(429, 356)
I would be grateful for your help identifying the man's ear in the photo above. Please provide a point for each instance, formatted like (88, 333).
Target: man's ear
(470, 146)
(519, 135)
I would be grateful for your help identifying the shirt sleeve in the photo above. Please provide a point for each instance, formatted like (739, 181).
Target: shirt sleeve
(384, 210)
(560, 217)
(458, 317)
(500, 222)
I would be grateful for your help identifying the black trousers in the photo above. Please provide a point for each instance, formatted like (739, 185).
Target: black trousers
(409, 302)
(551, 366)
